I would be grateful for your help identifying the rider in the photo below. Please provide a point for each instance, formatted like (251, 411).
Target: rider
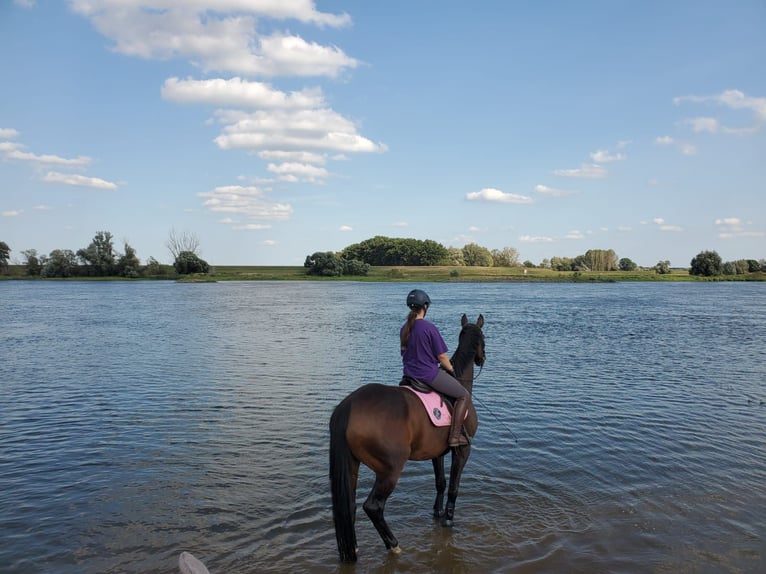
(423, 350)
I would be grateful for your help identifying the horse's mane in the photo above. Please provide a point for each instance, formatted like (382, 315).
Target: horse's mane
(471, 336)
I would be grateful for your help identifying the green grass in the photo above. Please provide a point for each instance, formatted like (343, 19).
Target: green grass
(446, 273)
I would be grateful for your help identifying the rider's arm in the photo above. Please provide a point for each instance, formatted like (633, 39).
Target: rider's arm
(445, 363)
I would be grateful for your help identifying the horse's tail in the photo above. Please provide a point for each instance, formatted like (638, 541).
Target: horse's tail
(343, 483)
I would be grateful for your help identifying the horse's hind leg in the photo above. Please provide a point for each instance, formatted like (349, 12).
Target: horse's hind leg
(375, 506)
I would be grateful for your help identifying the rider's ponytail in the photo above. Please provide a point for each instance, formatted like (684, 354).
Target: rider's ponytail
(405, 335)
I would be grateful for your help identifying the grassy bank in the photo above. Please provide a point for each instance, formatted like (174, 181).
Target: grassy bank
(415, 274)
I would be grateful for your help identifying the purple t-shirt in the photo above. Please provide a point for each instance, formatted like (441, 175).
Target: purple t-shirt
(424, 345)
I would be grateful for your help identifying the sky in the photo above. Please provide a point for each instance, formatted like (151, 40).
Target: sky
(273, 129)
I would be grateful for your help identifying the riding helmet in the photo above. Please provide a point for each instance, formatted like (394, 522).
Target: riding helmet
(418, 298)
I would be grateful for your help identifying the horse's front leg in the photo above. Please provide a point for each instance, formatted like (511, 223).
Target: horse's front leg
(460, 456)
(441, 485)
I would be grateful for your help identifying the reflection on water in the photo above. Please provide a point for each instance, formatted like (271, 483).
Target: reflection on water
(143, 419)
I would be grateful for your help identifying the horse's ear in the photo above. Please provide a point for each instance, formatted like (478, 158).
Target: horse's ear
(463, 320)
(480, 321)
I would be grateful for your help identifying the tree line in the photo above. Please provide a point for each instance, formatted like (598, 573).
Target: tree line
(356, 259)
(100, 259)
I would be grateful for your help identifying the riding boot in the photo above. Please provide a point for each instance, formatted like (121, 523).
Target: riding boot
(456, 436)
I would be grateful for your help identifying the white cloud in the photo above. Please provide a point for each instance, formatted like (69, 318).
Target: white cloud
(603, 156)
(345, 228)
(248, 201)
(293, 171)
(688, 149)
(77, 180)
(698, 125)
(552, 191)
(670, 228)
(663, 140)
(732, 99)
(48, 159)
(624, 228)
(727, 221)
(575, 234)
(219, 34)
(8, 133)
(292, 130)
(658, 220)
(493, 195)
(10, 213)
(236, 92)
(586, 170)
(401, 224)
(730, 227)
(251, 227)
(536, 239)
(299, 156)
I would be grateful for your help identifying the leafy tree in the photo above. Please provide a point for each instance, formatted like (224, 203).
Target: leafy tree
(626, 264)
(707, 264)
(581, 263)
(528, 264)
(753, 266)
(99, 255)
(396, 251)
(5, 253)
(355, 267)
(33, 263)
(562, 264)
(152, 268)
(729, 268)
(324, 263)
(455, 256)
(477, 256)
(60, 263)
(600, 259)
(128, 264)
(662, 267)
(545, 264)
(505, 257)
(188, 262)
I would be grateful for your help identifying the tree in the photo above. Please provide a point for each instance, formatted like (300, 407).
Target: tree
(600, 260)
(179, 242)
(152, 268)
(5, 253)
(382, 250)
(455, 256)
(505, 257)
(60, 263)
(528, 264)
(324, 264)
(188, 262)
(355, 267)
(706, 264)
(33, 263)
(128, 264)
(562, 264)
(99, 255)
(662, 267)
(626, 264)
(477, 256)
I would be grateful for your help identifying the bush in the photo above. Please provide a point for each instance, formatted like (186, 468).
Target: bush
(188, 262)
(706, 264)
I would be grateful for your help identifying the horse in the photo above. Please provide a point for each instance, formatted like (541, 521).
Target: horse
(384, 426)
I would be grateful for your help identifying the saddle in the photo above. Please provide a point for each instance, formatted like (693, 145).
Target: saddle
(437, 405)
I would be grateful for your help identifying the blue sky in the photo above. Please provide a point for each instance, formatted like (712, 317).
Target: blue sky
(272, 129)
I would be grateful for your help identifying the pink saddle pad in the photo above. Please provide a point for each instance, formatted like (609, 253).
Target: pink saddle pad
(438, 410)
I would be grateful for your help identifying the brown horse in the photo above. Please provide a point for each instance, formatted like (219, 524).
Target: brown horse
(384, 426)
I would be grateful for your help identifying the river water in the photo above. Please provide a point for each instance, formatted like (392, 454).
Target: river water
(622, 427)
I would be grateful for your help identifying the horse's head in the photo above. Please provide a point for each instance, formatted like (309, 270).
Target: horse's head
(472, 337)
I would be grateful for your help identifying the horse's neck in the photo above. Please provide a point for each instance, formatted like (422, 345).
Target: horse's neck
(466, 376)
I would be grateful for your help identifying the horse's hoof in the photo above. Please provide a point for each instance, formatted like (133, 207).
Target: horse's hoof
(396, 550)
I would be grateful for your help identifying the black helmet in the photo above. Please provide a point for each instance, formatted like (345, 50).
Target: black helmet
(418, 298)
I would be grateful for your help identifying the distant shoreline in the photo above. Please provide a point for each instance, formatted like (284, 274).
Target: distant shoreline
(429, 274)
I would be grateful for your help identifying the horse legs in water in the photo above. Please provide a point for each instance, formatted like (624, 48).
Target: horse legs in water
(460, 456)
(375, 506)
(441, 485)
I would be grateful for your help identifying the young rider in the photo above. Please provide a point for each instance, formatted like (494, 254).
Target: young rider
(423, 351)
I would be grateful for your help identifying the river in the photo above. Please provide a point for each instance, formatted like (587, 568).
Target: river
(622, 427)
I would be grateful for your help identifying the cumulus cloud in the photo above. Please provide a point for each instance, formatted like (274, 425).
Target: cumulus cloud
(493, 195)
(248, 201)
(730, 227)
(663, 140)
(219, 35)
(77, 180)
(586, 170)
(575, 234)
(293, 171)
(10, 213)
(536, 239)
(313, 130)
(603, 156)
(236, 92)
(345, 228)
(48, 159)
(8, 133)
